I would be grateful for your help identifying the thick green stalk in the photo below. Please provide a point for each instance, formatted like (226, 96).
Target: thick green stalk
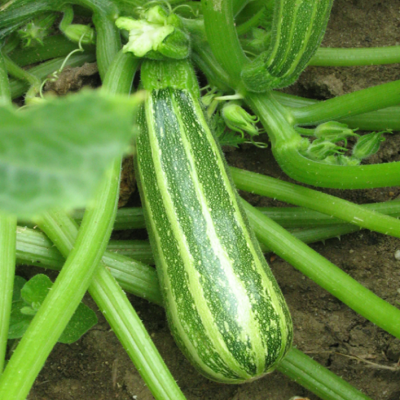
(17, 72)
(318, 201)
(126, 218)
(68, 17)
(114, 304)
(53, 46)
(385, 118)
(278, 122)
(319, 380)
(18, 88)
(288, 217)
(7, 269)
(337, 57)
(5, 92)
(359, 102)
(34, 248)
(324, 273)
(7, 243)
(301, 217)
(223, 39)
(108, 41)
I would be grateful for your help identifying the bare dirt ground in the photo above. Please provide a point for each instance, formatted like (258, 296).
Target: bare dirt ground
(96, 367)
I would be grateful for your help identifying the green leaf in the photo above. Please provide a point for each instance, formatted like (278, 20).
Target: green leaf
(19, 282)
(83, 319)
(35, 290)
(230, 138)
(53, 155)
(31, 297)
(19, 322)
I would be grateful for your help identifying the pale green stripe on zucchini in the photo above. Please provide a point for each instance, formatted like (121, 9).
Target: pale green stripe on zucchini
(224, 307)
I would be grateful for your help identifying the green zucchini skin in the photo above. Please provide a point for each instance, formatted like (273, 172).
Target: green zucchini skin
(224, 307)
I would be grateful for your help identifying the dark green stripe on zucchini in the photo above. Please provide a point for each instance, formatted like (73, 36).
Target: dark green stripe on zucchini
(224, 307)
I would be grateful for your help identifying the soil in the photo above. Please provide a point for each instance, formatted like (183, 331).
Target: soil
(97, 367)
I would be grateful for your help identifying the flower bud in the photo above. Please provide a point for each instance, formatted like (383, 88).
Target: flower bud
(320, 149)
(238, 119)
(334, 131)
(368, 145)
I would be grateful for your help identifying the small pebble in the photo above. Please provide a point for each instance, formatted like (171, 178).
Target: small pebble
(397, 255)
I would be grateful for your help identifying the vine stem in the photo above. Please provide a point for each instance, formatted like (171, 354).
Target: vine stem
(222, 37)
(288, 217)
(278, 121)
(384, 118)
(313, 376)
(318, 201)
(7, 271)
(359, 102)
(323, 272)
(337, 57)
(8, 224)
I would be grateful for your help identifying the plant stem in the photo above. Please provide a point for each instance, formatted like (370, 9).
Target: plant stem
(301, 217)
(5, 92)
(318, 201)
(7, 269)
(68, 17)
(359, 102)
(278, 122)
(324, 273)
(319, 380)
(108, 41)
(126, 218)
(53, 46)
(287, 217)
(222, 37)
(34, 248)
(19, 73)
(338, 57)
(8, 225)
(385, 118)
(18, 88)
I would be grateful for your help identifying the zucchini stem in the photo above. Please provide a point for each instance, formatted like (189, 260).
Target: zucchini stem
(324, 273)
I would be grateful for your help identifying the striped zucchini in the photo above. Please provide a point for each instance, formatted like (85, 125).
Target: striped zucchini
(297, 30)
(224, 307)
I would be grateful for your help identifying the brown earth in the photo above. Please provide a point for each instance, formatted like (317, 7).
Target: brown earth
(97, 367)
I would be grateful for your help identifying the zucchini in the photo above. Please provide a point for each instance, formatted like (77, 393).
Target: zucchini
(224, 307)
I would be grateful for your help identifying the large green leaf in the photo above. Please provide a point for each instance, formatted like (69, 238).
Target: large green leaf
(53, 155)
